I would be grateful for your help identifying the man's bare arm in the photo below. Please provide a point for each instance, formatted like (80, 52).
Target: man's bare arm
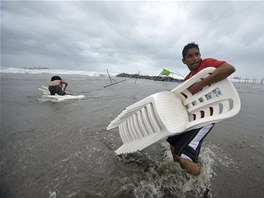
(220, 73)
(66, 84)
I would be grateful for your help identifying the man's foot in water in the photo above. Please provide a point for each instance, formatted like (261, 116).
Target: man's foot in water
(190, 166)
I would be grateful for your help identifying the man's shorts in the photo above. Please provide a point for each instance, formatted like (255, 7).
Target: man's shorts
(188, 144)
(56, 90)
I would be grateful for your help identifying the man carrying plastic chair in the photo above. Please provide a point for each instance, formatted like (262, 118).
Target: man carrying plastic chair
(185, 147)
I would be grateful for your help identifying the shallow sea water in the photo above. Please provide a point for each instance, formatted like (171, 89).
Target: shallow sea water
(64, 150)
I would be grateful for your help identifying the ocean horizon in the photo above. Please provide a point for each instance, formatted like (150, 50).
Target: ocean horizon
(44, 70)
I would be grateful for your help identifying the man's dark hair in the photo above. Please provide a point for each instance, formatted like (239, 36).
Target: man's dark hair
(55, 78)
(189, 46)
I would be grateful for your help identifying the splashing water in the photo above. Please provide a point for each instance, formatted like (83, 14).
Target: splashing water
(167, 178)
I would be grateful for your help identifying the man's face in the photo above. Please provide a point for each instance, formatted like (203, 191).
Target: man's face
(192, 59)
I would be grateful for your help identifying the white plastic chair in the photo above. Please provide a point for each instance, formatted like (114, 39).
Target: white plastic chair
(57, 98)
(44, 90)
(172, 112)
(212, 104)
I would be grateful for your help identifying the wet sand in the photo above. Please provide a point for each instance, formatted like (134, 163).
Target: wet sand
(64, 150)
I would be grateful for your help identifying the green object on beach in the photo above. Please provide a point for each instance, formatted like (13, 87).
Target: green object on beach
(165, 72)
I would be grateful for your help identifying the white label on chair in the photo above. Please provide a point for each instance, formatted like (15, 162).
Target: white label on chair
(213, 94)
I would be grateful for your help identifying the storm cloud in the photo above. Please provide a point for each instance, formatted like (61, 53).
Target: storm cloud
(131, 36)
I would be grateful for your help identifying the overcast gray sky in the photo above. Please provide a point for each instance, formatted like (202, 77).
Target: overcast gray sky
(131, 36)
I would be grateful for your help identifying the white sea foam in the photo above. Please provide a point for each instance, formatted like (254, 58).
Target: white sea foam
(167, 178)
(52, 194)
(14, 70)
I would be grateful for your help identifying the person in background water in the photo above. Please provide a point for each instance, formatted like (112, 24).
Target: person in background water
(56, 86)
(185, 147)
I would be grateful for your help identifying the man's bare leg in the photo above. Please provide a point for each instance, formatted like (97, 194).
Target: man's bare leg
(190, 166)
